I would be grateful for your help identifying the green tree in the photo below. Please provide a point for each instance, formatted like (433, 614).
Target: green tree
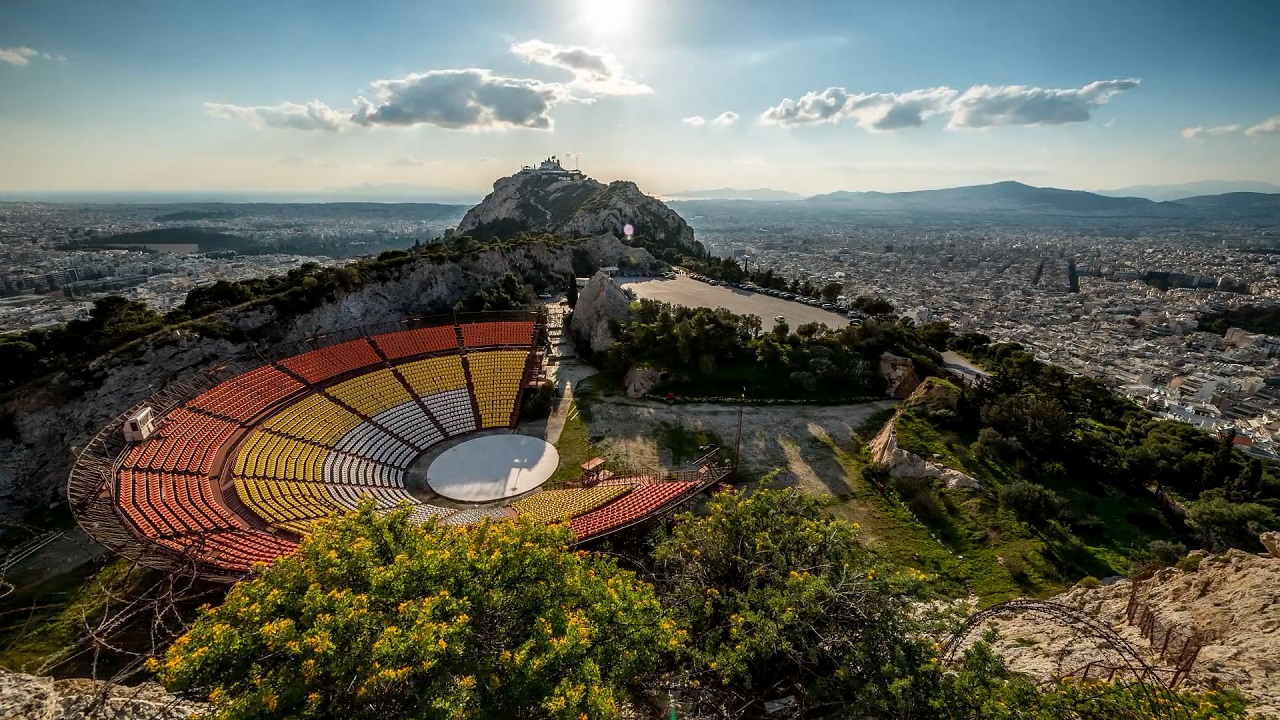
(778, 599)
(374, 617)
(1221, 523)
(831, 291)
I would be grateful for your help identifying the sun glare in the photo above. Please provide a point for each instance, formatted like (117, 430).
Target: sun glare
(607, 17)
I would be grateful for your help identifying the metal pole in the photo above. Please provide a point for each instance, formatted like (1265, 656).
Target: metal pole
(737, 443)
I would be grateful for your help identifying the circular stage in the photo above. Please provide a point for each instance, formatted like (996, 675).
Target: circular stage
(492, 468)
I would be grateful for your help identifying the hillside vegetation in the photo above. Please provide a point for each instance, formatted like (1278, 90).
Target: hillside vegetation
(1076, 481)
(765, 597)
(713, 352)
(116, 321)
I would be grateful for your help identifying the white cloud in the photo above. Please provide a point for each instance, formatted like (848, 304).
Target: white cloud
(406, 161)
(988, 106)
(17, 55)
(1270, 126)
(595, 73)
(1194, 132)
(458, 99)
(314, 115)
(468, 98)
(979, 106)
(724, 119)
(874, 111)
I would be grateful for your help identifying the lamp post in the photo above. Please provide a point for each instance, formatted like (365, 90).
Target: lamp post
(737, 443)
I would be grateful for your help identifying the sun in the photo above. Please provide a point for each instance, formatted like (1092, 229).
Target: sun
(607, 17)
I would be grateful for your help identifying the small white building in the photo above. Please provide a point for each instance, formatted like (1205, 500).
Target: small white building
(140, 425)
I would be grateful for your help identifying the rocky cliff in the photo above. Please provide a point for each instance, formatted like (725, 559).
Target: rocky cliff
(599, 302)
(885, 451)
(53, 415)
(577, 207)
(1231, 600)
(32, 697)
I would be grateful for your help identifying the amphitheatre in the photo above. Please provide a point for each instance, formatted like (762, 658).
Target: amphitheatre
(236, 465)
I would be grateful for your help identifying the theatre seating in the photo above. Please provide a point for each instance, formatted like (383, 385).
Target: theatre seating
(318, 365)
(556, 505)
(405, 343)
(631, 507)
(244, 396)
(496, 376)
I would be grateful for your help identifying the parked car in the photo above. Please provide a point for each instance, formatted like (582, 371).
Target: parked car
(779, 318)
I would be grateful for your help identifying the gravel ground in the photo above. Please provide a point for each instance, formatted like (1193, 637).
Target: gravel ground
(692, 293)
(628, 433)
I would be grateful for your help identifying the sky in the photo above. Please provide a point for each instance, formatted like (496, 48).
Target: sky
(801, 95)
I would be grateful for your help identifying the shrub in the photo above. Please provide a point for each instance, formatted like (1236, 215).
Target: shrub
(1017, 567)
(776, 597)
(374, 617)
(1089, 582)
(1032, 503)
(539, 403)
(917, 493)
(1221, 523)
(1190, 563)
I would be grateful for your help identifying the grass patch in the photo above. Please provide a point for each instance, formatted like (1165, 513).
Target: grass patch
(574, 447)
(37, 625)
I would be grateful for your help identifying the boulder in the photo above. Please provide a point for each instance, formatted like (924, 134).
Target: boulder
(902, 463)
(32, 697)
(639, 381)
(599, 302)
(899, 374)
(1271, 541)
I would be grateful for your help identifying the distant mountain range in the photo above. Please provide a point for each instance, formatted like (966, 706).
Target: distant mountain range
(1009, 196)
(1191, 189)
(760, 194)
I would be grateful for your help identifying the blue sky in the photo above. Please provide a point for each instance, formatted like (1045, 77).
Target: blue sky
(676, 94)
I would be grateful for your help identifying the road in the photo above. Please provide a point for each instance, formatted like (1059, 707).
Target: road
(690, 292)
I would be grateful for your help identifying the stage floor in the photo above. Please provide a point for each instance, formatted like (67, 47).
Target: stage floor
(492, 467)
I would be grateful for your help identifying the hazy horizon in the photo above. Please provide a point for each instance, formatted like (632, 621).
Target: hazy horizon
(304, 97)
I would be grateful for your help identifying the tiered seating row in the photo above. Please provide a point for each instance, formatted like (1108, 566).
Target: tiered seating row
(372, 393)
(246, 395)
(497, 334)
(319, 365)
(434, 375)
(475, 515)
(186, 442)
(453, 410)
(234, 550)
(496, 377)
(315, 418)
(417, 342)
(341, 469)
(629, 508)
(412, 424)
(268, 455)
(551, 506)
(162, 503)
(278, 500)
(367, 441)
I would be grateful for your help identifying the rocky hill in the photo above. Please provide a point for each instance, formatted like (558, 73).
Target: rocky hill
(52, 416)
(1231, 600)
(578, 206)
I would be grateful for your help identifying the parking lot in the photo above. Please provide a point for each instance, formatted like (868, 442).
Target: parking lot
(683, 290)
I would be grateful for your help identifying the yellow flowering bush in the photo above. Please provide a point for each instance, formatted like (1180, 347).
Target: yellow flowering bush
(374, 617)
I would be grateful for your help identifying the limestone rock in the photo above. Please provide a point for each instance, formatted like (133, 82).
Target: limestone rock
(599, 302)
(31, 697)
(1230, 601)
(608, 251)
(902, 463)
(577, 207)
(899, 374)
(1271, 541)
(640, 380)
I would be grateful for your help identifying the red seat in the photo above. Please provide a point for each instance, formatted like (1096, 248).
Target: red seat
(322, 364)
(631, 507)
(404, 343)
